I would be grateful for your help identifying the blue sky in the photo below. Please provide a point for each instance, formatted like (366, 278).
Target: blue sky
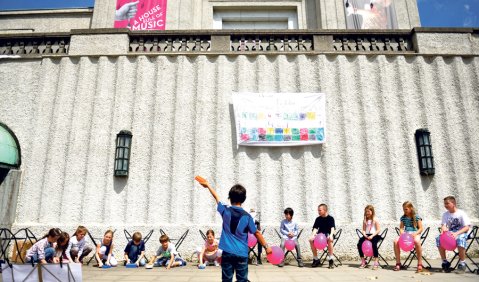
(449, 13)
(433, 13)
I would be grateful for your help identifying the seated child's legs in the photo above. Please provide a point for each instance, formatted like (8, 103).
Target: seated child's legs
(86, 250)
(74, 253)
(298, 249)
(113, 261)
(142, 262)
(461, 240)
(49, 253)
(178, 262)
(161, 262)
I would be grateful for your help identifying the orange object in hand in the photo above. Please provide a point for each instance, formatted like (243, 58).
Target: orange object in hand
(201, 180)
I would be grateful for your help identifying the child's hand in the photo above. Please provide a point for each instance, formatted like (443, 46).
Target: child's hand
(269, 250)
(168, 266)
(128, 261)
(77, 260)
(100, 264)
(108, 263)
(56, 260)
(137, 264)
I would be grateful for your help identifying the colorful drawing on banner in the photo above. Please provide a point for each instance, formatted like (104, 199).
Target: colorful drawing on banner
(279, 119)
(140, 14)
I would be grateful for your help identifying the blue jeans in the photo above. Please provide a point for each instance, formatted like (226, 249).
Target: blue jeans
(230, 263)
(134, 254)
(49, 252)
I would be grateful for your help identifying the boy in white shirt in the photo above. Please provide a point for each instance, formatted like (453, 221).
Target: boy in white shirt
(456, 221)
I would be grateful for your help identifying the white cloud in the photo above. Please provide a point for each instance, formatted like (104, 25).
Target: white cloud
(467, 7)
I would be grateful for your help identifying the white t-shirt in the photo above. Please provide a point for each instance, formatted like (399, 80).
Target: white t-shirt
(455, 221)
(167, 253)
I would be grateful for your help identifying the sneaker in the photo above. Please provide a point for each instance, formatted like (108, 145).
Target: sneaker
(461, 268)
(363, 265)
(445, 266)
(331, 264)
(281, 264)
(300, 263)
(216, 263)
(260, 262)
(315, 263)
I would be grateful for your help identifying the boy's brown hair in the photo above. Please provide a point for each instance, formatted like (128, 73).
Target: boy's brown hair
(81, 229)
(450, 199)
(164, 238)
(136, 237)
(324, 206)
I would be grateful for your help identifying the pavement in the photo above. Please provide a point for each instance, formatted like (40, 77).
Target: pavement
(347, 272)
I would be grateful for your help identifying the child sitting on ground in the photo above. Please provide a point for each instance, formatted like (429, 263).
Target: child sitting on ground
(43, 251)
(412, 224)
(60, 248)
(77, 247)
(135, 250)
(166, 255)
(324, 223)
(210, 252)
(289, 231)
(456, 221)
(104, 251)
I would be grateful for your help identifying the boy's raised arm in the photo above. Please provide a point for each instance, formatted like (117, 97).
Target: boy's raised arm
(212, 191)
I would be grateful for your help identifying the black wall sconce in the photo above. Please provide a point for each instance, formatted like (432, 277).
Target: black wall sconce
(424, 151)
(122, 154)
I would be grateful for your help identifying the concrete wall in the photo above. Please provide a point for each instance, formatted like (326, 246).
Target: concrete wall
(45, 21)
(8, 197)
(66, 112)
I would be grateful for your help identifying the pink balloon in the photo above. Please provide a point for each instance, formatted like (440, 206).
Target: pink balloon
(277, 255)
(406, 242)
(447, 241)
(367, 248)
(252, 240)
(320, 241)
(289, 244)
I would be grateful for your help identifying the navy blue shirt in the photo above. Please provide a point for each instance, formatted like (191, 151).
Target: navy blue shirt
(141, 248)
(237, 223)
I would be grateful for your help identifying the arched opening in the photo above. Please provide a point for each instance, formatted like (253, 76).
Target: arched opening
(10, 153)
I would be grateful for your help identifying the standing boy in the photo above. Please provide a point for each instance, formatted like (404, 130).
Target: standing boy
(289, 230)
(237, 223)
(456, 221)
(135, 250)
(324, 223)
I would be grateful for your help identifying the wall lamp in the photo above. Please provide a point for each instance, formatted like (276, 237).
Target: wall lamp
(122, 154)
(424, 151)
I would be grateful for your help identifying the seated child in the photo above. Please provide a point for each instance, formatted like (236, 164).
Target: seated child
(371, 229)
(135, 250)
(60, 248)
(411, 223)
(43, 251)
(166, 255)
(210, 252)
(324, 223)
(104, 250)
(289, 230)
(456, 221)
(77, 247)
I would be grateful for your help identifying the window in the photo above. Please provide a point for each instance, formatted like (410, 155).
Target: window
(255, 18)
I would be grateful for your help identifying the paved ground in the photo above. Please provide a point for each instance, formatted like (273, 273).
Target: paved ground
(268, 272)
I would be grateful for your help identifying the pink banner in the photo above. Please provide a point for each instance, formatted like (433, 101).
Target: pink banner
(140, 14)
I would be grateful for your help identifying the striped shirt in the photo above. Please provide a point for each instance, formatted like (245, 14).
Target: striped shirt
(39, 249)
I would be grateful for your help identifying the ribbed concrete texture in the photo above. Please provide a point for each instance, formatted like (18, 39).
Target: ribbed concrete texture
(67, 111)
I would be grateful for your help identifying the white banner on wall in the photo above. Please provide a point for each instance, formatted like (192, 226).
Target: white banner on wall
(280, 119)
